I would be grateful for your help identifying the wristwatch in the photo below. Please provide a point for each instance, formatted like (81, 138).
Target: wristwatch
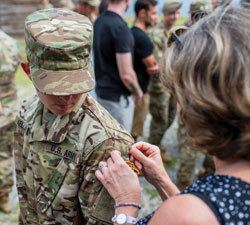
(122, 218)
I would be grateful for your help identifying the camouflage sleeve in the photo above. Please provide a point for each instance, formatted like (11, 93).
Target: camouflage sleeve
(158, 43)
(97, 205)
(18, 156)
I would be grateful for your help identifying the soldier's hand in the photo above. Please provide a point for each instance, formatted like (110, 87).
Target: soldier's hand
(153, 71)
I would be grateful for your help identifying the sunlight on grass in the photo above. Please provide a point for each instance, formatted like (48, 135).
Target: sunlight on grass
(130, 20)
(23, 84)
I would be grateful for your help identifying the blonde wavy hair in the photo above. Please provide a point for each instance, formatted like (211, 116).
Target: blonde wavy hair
(210, 77)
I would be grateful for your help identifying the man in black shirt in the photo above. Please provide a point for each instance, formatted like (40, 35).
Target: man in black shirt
(145, 64)
(116, 80)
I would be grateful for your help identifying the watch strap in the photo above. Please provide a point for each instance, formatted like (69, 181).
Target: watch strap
(129, 219)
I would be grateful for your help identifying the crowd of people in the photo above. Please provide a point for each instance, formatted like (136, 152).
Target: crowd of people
(75, 140)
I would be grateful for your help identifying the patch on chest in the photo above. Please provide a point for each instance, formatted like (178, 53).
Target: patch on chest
(22, 125)
(66, 153)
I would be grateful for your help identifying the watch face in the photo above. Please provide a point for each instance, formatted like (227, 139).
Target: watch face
(121, 218)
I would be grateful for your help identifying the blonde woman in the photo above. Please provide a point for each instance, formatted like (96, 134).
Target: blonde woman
(208, 70)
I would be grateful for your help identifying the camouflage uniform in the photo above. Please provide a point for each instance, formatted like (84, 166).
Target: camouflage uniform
(9, 61)
(68, 4)
(94, 3)
(162, 104)
(44, 6)
(186, 172)
(56, 156)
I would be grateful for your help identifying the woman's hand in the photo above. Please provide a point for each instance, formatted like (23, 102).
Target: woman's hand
(0, 108)
(119, 179)
(148, 158)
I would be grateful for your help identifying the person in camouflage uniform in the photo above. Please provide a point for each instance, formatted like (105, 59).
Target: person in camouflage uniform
(44, 4)
(62, 132)
(67, 4)
(162, 104)
(89, 8)
(9, 61)
(186, 171)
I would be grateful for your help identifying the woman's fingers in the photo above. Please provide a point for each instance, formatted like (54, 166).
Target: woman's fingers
(142, 146)
(99, 175)
(138, 164)
(138, 155)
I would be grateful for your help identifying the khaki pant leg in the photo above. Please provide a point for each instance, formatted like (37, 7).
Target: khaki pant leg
(140, 114)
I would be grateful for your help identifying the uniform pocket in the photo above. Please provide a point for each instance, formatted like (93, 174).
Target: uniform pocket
(49, 191)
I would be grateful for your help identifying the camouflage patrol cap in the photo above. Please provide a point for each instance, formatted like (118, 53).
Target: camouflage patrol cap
(58, 47)
(95, 3)
(201, 6)
(171, 6)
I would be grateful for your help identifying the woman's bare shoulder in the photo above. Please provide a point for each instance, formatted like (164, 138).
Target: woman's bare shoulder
(184, 209)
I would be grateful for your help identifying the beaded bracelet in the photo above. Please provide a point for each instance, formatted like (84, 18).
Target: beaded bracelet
(127, 204)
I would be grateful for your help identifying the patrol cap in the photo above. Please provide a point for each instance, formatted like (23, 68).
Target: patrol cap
(63, 2)
(175, 33)
(58, 47)
(171, 6)
(95, 3)
(201, 6)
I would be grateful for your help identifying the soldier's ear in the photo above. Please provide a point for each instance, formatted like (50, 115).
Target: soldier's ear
(142, 13)
(26, 68)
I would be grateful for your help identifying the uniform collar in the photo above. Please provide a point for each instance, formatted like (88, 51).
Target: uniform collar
(53, 128)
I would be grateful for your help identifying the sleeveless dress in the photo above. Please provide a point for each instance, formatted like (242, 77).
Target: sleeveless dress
(228, 197)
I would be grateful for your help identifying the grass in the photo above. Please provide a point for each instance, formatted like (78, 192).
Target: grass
(152, 192)
(23, 84)
(130, 20)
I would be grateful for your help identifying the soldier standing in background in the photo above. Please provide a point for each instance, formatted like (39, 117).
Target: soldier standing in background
(9, 61)
(162, 104)
(44, 4)
(89, 8)
(67, 4)
(63, 133)
(186, 171)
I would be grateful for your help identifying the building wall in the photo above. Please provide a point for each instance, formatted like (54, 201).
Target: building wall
(13, 14)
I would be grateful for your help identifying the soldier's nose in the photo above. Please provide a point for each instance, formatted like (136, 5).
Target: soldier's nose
(66, 98)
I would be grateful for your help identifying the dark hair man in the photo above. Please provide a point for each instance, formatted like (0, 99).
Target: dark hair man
(144, 60)
(116, 79)
(103, 6)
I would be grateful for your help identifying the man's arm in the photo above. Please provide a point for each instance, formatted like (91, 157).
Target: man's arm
(128, 75)
(151, 65)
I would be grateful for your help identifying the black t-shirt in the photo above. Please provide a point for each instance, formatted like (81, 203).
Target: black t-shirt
(143, 48)
(111, 36)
